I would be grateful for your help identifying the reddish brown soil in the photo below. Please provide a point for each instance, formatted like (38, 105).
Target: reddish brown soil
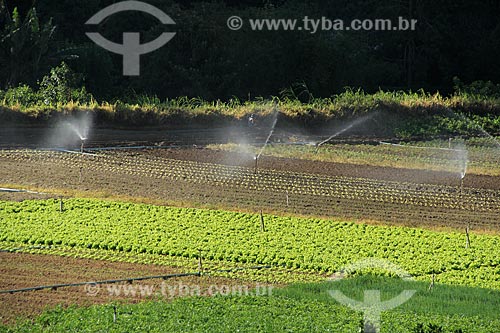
(20, 270)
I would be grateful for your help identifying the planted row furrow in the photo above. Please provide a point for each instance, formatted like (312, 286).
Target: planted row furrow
(293, 183)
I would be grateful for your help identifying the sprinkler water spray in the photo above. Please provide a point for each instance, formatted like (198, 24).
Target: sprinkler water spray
(275, 120)
(270, 133)
(345, 129)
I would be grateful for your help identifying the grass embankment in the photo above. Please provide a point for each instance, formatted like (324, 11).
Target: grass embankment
(402, 115)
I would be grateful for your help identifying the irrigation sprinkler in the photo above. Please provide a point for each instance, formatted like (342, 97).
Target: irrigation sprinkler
(82, 146)
(467, 239)
(317, 147)
(467, 228)
(431, 286)
(256, 158)
(275, 121)
(80, 128)
(461, 188)
(461, 191)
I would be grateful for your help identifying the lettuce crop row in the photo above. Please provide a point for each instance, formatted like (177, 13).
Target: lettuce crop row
(294, 243)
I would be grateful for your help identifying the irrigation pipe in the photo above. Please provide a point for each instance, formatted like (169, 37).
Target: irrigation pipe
(14, 190)
(73, 152)
(134, 147)
(78, 284)
(418, 147)
(129, 280)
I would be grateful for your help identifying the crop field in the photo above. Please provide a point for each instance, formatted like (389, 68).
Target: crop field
(313, 245)
(436, 155)
(252, 166)
(279, 220)
(442, 205)
(296, 249)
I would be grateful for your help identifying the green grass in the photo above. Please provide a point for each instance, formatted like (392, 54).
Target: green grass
(442, 299)
(219, 314)
(301, 245)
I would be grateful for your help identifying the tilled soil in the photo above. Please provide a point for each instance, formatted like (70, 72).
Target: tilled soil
(22, 270)
(155, 176)
(328, 168)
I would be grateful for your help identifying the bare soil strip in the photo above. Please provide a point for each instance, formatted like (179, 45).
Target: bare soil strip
(329, 168)
(21, 270)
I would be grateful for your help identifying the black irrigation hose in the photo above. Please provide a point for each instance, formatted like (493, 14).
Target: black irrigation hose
(129, 280)
(55, 286)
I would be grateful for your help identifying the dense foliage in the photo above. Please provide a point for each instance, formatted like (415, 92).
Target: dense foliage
(405, 115)
(206, 59)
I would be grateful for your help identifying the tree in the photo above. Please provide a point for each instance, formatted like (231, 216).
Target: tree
(24, 46)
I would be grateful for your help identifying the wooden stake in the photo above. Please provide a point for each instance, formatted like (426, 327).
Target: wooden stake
(61, 205)
(262, 225)
(256, 163)
(200, 264)
(287, 201)
(467, 239)
(114, 313)
(432, 283)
